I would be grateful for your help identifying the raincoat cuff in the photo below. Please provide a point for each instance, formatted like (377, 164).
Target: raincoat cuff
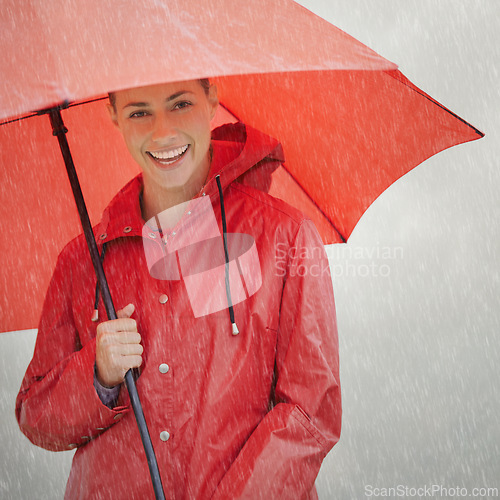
(98, 414)
(107, 395)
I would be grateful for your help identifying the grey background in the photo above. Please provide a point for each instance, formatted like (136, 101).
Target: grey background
(417, 286)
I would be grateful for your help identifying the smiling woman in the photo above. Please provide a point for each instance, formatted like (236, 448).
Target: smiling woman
(238, 359)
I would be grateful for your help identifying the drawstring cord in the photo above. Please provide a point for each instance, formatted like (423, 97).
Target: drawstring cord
(235, 330)
(95, 315)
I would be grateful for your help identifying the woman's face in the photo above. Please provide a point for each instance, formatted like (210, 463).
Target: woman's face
(167, 130)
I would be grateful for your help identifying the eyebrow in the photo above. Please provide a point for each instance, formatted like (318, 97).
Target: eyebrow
(168, 99)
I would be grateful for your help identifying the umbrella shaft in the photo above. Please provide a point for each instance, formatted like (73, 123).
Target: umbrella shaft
(59, 130)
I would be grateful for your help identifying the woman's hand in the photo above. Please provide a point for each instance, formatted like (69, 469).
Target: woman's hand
(118, 348)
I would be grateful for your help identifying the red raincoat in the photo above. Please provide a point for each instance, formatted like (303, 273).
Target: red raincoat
(230, 416)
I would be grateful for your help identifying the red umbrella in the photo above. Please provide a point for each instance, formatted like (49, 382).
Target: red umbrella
(349, 121)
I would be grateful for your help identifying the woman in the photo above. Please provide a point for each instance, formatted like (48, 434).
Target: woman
(239, 383)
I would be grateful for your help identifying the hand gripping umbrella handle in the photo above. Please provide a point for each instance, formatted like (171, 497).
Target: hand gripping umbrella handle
(59, 130)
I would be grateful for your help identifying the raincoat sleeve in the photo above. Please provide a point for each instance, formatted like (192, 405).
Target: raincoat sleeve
(283, 456)
(58, 407)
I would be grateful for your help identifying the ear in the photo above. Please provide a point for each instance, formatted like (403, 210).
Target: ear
(213, 100)
(112, 115)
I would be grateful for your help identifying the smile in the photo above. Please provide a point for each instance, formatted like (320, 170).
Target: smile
(168, 157)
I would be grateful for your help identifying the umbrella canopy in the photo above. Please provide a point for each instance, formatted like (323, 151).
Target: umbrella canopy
(349, 121)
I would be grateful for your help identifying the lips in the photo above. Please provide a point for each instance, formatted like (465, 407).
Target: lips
(167, 157)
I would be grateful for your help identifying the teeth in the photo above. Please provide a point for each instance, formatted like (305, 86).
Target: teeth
(168, 155)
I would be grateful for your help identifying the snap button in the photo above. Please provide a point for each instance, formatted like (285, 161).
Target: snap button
(173, 233)
(127, 229)
(164, 368)
(189, 213)
(164, 436)
(117, 417)
(103, 236)
(152, 235)
(163, 298)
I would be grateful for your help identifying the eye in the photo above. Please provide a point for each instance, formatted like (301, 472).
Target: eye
(138, 114)
(182, 104)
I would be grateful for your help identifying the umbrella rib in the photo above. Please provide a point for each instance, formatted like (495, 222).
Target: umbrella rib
(396, 74)
(311, 199)
(18, 119)
(64, 105)
(79, 103)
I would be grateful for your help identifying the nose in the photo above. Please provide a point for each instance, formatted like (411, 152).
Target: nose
(163, 128)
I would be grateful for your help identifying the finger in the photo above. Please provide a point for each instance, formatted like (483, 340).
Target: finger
(119, 338)
(128, 349)
(128, 362)
(129, 338)
(117, 325)
(118, 349)
(126, 312)
(113, 344)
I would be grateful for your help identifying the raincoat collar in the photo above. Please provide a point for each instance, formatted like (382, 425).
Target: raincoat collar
(237, 150)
